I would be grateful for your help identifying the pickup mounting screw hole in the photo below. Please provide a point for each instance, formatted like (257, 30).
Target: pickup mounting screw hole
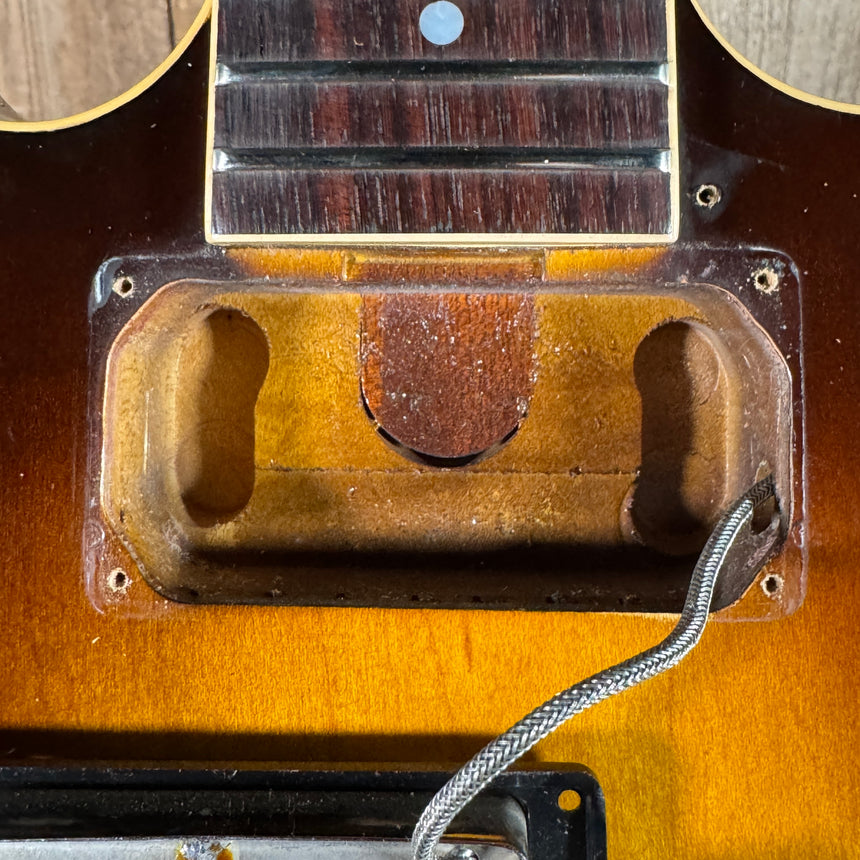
(766, 280)
(123, 286)
(707, 196)
(118, 581)
(441, 22)
(569, 800)
(771, 585)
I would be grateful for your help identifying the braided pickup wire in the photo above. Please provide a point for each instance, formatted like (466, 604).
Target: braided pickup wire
(502, 752)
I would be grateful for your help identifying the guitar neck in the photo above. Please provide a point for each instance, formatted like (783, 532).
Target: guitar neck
(539, 123)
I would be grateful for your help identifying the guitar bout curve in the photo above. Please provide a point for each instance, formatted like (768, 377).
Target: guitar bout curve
(771, 80)
(123, 98)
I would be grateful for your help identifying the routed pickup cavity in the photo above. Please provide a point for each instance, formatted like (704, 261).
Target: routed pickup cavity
(374, 446)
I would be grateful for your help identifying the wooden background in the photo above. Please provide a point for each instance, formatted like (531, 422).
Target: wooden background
(813, 45)
(59, 57)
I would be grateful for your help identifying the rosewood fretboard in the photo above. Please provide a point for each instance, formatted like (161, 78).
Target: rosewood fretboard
(337, 118)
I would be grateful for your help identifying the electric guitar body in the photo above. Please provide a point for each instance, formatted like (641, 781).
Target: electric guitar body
(293, 470)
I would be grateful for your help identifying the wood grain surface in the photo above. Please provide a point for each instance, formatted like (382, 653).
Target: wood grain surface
(61, 57)
(810, 44)
(435, 110)
(527, 200)
(286, 31)
(339, 117)
(430, 361)
(746, 750)
(58, 57)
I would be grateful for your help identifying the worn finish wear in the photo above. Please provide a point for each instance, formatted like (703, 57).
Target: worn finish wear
(448, 376)
(726, 758)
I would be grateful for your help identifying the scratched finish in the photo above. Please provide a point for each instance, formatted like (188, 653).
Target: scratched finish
(746, 750)
(340, 118)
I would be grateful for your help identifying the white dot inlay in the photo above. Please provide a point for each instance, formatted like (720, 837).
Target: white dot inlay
(441, 22)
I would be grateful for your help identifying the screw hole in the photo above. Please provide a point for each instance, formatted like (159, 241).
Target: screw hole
(123, 286)
(766, 280)
(772, 585)
(118, 581)
(707, 196)
(569, 800)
